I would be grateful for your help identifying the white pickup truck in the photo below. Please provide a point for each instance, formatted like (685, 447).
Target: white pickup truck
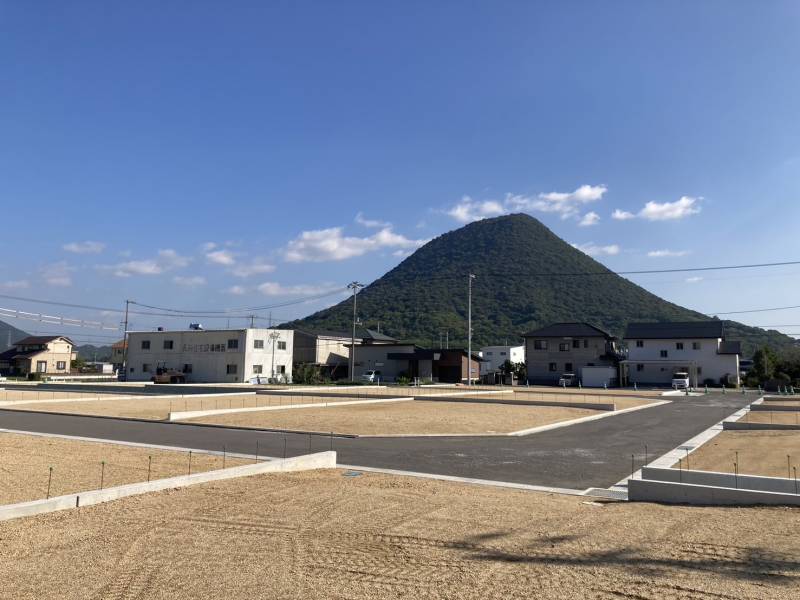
(680, 381)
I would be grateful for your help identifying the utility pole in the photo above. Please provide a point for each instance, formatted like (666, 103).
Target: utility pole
(355, 287)
(125, 344)
(469, 331)
(273, 336)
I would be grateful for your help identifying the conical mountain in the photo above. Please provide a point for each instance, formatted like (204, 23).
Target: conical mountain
(525, 277)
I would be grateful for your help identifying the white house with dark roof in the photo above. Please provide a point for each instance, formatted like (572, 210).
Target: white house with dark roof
(658, 350)
(561, 348)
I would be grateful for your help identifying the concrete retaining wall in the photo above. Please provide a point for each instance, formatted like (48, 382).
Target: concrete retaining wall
(305, 393)
(774, 407)
(319, 460)
(192, 414)
(479, 400)
(644, 490)
(743, 425)
(758, 483)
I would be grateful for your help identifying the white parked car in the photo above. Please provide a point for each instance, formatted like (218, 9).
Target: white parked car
(567, 379)
(680, 381)
(371, 376)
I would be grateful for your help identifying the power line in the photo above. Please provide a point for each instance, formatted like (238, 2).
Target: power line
(756, 310)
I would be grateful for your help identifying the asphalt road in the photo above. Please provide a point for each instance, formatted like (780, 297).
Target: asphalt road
(593, 454)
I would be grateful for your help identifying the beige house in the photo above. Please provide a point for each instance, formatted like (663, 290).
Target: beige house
(330, 350)
(38, 354)
(563, 348)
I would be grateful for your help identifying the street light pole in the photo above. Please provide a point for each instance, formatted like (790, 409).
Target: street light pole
(273, 337)
(469, 331)
(355, 287)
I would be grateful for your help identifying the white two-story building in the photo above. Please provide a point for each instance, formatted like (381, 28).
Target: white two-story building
(656, 351)
(494, 357)
(211, 355)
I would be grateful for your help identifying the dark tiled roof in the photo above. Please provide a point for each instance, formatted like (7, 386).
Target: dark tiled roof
(362, 333)
(730, 348)
(666, 331)
(569, 330)
(41, 339)
(14, 353)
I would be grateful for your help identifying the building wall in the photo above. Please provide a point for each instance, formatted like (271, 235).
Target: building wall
(710, 364)
(375, 358)
(208, 354)
(538, 362)
(497, 355)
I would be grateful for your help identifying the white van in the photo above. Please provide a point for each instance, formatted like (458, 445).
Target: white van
(680, 381)
(371, 376)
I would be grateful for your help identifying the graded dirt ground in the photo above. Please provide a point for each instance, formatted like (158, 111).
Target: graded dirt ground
(760, 453)
(460, 389)
(155, 408)
(26, 460)
(16, 395)
(320, 535)
(405, 418)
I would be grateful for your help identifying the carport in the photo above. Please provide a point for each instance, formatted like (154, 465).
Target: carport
(677, 365)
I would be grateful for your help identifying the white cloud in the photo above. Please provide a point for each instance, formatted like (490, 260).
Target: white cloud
(402, 253)
(255, 267)
(362, 220)
(209, 246)
(469, 210)
(86, 247)
(57, 274)
(594, 250)
(221, 257)
(622, 215)
(667, 253)
(19, 284)
(693, 279)
(236, 290)
(589, 219)
(329, 244)
(565, 204)
(192, 281)
(165, 260)
(272, 288)
(669, 211)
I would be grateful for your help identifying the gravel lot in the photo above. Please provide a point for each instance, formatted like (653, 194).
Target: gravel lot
(76, 465)
(320, 535)
(760, 453)
(404, 418)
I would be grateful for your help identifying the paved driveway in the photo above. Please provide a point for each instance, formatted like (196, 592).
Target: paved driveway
(593, 454)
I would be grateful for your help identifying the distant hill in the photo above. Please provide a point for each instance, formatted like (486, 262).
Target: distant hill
(8, 335)
(91, 353)
(525, 278)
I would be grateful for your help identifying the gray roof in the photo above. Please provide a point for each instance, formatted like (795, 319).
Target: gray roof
(573, 330)
(669, 331)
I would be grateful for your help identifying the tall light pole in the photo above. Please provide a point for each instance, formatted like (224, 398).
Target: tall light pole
(124, 345)
(355, 287)
(273, 340)
(469, 331)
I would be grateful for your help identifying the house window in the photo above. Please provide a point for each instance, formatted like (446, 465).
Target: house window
(187, 368)
(640, 343)
(168, 344)
(563, 347)
(489, 353)
(258, 344)
(540, 344)
(640, 367)
(585, 343)
(132, 369)
(145, 344)
(281, 369)
(145, 367)
(553, 367)
(502, 354)
(568, 367)
(233, 344)
(695, 345)
(231, 370)
(664, 354)
(678, 345)
(61, 365)
(258, 369)
(281, 345)
(576, 343)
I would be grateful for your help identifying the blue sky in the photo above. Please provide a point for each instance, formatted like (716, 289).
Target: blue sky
(220, 155)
